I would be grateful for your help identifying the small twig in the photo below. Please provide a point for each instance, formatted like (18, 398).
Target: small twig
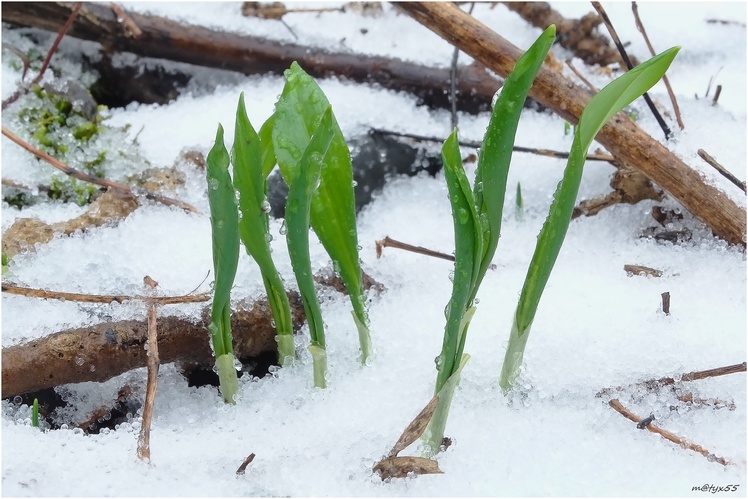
(665, 80)
(24, 58)
(243, 466)
(144, 439)
(724, 21)
(453, 79)
(600, 10)
(721, 169)
(65, 27)
(616, 404)
(581, 77)
(132, 30)
(666, 381)
(121, 188)
(388, 242)
(666, 302)
(717, 93)
(711, 80)
(77, 297)
(467, 143)
(632, 270)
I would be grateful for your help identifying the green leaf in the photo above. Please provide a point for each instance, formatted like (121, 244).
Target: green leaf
(268, 151)
(468, 248)
(249, 180)
(333, 212)
(603, 106)
(224, 221)
(301, 188)
(495, 153)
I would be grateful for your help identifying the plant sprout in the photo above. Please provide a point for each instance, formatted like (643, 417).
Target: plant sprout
(300, 191)
(333, 213)
(476, 217)
(224, 221)
(603, 106)
(250, 181)
(519, 208)
(35, 413)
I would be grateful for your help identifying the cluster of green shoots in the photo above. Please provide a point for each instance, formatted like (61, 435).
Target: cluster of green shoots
(477, 214)
(303, 138)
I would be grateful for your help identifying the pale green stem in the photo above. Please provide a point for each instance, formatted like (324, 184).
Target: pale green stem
(319, 361)
(227, 377)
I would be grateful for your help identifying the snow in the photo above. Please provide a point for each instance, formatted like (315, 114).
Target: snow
(596, 327)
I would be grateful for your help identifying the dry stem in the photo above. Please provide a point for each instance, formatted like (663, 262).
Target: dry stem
(79, 297)
(144, 439)
(721, 169)
(616, 404)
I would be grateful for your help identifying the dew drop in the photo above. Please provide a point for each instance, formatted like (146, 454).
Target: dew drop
(283, 229)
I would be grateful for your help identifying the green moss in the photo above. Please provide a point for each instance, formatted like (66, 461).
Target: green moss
(70, 189)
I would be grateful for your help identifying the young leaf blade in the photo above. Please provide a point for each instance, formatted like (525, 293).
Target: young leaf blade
(333, 212)
(249, 180)
(609, 101)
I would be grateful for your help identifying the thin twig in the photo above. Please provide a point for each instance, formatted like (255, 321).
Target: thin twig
(388, 242)
(711, 80)
(131, 29)
(725, 21)
(667, 380)
(243, 466)
(717, 93)
(144, 439)
(632, 270)
(581, 77)
(467, 143)
(721, 169)
(665, 80)
(123, 189)
(65, 27)
(453, 80)
(666, 302)
(600, 10)
(616, 404)
(78, 297)
(24, 58)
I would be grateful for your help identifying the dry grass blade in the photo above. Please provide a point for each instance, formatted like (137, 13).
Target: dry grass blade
(415, 429)
(401, 467)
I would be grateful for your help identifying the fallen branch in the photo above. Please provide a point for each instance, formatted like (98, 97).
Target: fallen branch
(616, 404)
(621, 136)
(78, 297)
(665, 80)
(166, 39)
(573, 34)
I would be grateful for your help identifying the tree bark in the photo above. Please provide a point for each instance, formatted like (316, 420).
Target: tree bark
(100, 352)
(166, 39)
(621, 136)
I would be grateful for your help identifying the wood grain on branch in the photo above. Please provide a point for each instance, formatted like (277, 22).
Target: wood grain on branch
(621, 136)
(166, 39)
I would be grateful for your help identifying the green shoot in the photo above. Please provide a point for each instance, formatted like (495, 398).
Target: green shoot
(333, 214)
(224, 221)
(35, 414)
(248, 156)
(603, 106)
(567, 128)
(476, 217)
(302, 185)
(520, 205)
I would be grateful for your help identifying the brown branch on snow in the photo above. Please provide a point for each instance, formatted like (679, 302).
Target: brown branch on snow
(573, 34)
(655, 384)
(152, 363)
(721, 169)
(243, 467)
(388, 242)
(102, 351)
(65, 27)
(85, 298)
(665, 80)
(599, 8)
(621, 136)
(629, 186)
(717, 93)
(21, 55)
(632, 270)
(122, 189)
(166, 39)
(616, 404)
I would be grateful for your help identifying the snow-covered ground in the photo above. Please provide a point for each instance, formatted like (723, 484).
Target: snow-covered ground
(596, 327)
